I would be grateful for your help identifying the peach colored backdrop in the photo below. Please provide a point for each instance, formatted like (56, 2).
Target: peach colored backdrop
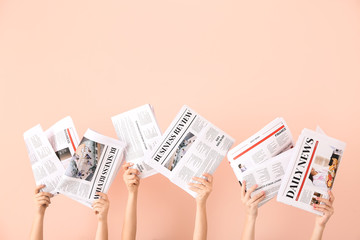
(238, 63)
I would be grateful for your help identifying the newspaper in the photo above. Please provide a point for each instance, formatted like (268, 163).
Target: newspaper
(92, 168)
(63, 139)
(46, 167)
(139, 129)
(190, 147)
(270, 141)
(312, 170)
(268, 175)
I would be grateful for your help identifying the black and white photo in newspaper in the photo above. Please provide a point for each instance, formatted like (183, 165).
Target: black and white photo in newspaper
(139, 129)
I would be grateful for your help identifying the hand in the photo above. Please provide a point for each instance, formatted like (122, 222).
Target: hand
(251, 203)
(325, 208)
(132, 181)
(203, 188)
(101, 206)
(42, 199)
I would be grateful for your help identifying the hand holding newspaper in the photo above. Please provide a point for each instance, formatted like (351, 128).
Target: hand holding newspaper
(50, 151)
(262, 159)
(92, 168)
(139, 129)
(311, 171)
(190, 147)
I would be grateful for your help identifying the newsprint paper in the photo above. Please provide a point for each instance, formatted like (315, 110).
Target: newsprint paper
(92, 168)
(263, 158)
(46, 167)
(190, 147)
(312, 170)
(140, 131)
(63, 139)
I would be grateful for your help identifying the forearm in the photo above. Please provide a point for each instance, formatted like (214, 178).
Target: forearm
(129, 227)
(317, 232)
(249, 228)
(37, 227)
(200, 231)
(102, 230)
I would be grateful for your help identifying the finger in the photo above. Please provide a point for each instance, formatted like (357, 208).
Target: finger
(260, 199)
(257, 197)
(243, 187)
(132, 177)
(331, 196)
(135, 182)
(126, 166)
(38, 188)
(132, 171)
(324, 200)
(249, 191)
(197, 185)
(197, 190)
(102, 195)
(44, 194)
(209, 177)
(44, 202)
(201, 180)
(322, 206)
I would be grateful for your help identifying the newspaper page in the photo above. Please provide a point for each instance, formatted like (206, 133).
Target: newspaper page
(140, 131)
(190, 147)
(63, 139)
(92, 168)
(268, 175)
(312, 170)
(46, 167)
(271, 140)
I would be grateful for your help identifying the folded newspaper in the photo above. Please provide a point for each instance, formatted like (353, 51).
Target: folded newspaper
(311, 171)
(92, 168)
(190, 147)
(139, 129)
(262, 159)
(49, 151)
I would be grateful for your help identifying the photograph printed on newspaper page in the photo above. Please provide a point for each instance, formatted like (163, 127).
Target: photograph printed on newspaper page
(270, 141)
(63, 139)
(46, 167)
(190, 147)
(140, 131)
(92, 168)
(311, 171)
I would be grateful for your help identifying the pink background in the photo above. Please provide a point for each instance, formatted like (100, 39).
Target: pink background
(238, 63)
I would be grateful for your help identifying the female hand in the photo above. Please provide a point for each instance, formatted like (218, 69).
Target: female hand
(132, 181)
(203, 188)
(325, 208)
(42, 199)
(101, 206)
(251, 203)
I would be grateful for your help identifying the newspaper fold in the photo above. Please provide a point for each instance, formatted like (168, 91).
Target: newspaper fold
(92, 168)
(312, 170)
(139, 129)
(190, 147)
(258, 160)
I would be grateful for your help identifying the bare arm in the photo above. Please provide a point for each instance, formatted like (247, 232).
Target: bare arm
(203, 189)
(251, 206)
(101, 209)
(42, 201)
(132, 182)
(321, 221)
